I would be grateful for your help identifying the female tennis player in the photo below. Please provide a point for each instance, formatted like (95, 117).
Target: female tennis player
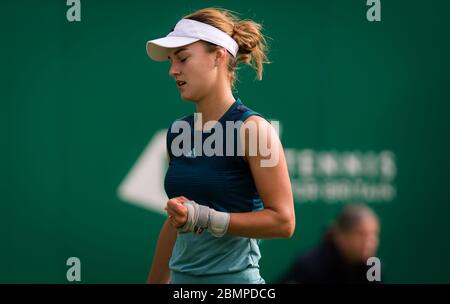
(221, 204)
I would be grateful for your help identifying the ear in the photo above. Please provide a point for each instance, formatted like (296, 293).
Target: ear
(221, 55)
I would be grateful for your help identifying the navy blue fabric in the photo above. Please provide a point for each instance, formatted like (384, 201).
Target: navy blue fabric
(224, 183)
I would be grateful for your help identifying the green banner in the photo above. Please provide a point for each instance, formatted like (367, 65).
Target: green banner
(361, 93)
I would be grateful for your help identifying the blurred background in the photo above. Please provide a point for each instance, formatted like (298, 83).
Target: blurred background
(363, 108)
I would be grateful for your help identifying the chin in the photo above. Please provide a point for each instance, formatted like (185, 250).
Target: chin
(184, 96)
(187, 97)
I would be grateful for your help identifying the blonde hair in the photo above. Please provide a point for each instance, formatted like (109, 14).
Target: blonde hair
(247, 34)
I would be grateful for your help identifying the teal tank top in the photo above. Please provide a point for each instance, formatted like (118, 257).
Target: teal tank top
(224, 183)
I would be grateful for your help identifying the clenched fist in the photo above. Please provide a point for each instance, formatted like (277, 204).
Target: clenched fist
(177, 212)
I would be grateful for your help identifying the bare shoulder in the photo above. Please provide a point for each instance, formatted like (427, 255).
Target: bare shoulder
(259, 138)
(258, 126)
(256, 119)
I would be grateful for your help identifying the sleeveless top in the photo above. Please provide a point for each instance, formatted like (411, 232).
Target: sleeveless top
(224, 183)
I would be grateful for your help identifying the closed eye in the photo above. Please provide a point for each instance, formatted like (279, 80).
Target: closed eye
(181, 60)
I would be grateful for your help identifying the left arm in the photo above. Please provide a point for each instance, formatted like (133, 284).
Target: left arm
(270, 173)
(277, 219)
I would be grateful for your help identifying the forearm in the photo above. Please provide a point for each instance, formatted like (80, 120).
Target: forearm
(160, 273)
(263, 224)
(267, 223)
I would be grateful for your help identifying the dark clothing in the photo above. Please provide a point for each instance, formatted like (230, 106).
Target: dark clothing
(325, 264)
(206, 178)
(222, 181)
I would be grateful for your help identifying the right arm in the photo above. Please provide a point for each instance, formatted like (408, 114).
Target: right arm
(160, 273)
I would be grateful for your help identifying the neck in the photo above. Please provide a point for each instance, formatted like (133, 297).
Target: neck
(214, 105)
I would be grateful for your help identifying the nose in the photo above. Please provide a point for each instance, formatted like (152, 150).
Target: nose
(174, 69)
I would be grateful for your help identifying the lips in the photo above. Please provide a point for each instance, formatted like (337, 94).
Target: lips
(180, 83)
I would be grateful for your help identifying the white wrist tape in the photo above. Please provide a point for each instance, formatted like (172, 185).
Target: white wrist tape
(201, 218)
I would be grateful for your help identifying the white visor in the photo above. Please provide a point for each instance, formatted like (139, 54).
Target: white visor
(186, 32)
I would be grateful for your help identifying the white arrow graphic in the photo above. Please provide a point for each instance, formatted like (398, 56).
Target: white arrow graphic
(143, 185)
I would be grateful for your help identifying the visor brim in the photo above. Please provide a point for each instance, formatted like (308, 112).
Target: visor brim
(158, 49)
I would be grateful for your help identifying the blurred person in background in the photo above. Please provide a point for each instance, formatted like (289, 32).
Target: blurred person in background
(342, 256)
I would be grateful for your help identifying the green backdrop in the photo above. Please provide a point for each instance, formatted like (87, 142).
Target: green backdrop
(363, 108)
